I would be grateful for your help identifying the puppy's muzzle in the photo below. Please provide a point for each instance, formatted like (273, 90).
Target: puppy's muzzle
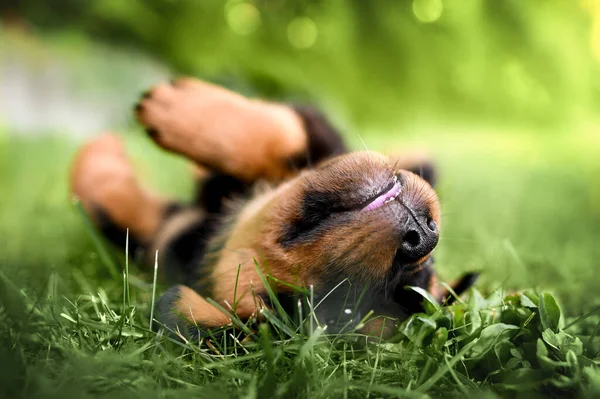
(419, 235)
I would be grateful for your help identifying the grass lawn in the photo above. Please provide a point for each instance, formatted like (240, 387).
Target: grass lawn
(523, 207)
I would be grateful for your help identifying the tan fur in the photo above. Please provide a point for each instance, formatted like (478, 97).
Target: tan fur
(380, 326)
(243, 248)
(103, 176)
(198, 172)
(195, 308)
(261, 136)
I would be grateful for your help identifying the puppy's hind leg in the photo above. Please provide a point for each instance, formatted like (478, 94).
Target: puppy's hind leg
(103, 179)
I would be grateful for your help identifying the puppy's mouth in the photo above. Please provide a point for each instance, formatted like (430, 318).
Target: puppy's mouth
(389, 194)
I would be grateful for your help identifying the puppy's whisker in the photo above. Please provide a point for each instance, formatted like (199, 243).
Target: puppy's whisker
(365, 145)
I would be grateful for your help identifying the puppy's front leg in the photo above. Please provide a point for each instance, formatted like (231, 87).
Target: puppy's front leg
(182, 309)
(222, 130)
(459, 286)
(233, 135)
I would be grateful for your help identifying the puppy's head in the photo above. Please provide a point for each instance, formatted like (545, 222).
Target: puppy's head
(358, 217)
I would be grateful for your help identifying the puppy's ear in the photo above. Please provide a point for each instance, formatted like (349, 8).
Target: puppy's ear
(458, 287)
(418, 162)
(425, 170)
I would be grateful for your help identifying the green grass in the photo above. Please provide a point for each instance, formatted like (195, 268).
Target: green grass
(522, 207)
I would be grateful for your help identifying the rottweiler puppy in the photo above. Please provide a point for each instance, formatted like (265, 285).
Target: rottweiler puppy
(280, 196)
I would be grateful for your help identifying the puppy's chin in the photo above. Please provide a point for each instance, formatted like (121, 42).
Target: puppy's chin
(402, 269)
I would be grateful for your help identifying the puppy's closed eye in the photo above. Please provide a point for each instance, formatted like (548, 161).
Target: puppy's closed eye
(316, 208)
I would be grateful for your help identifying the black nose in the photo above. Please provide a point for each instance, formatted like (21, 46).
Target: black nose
(420, 236)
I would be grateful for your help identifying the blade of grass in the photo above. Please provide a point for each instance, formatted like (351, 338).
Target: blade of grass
(127, 288)
(377, 357)
(330, 292)
(461, 386)
(426, 295)
(581, 318)
(443, 370)
(310, 343)
(233, 317)
(594, 334)
(277, 323)
(154, 288)
(273, 296)
(300, 318)
(451, 291)
(237, 279)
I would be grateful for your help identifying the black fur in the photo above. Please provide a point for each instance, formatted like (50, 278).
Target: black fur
(409, 300)
(324, 140)
(316, 208)
(117, 235)
(426, 171)
(185, 251)
(169, 318)
(217, 187)
(113, 233)
(164, 309)
(465, 282)
(341, 304)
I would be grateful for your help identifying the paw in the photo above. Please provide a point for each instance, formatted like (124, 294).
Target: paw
(184, 313)
(178, 115)
(101, 175)
(460, 286)
(103, 179)
(220, 129)
(168, 315)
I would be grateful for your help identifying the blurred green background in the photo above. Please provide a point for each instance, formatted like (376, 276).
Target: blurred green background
(503, 93)
(373, 63)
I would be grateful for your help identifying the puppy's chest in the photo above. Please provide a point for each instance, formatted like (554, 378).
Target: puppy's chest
(233, 250)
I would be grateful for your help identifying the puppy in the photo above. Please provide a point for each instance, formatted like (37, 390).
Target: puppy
(281, 197)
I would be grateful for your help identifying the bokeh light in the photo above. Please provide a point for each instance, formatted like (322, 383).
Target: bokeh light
(242, 18)
(302, 32)
(428, 10)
